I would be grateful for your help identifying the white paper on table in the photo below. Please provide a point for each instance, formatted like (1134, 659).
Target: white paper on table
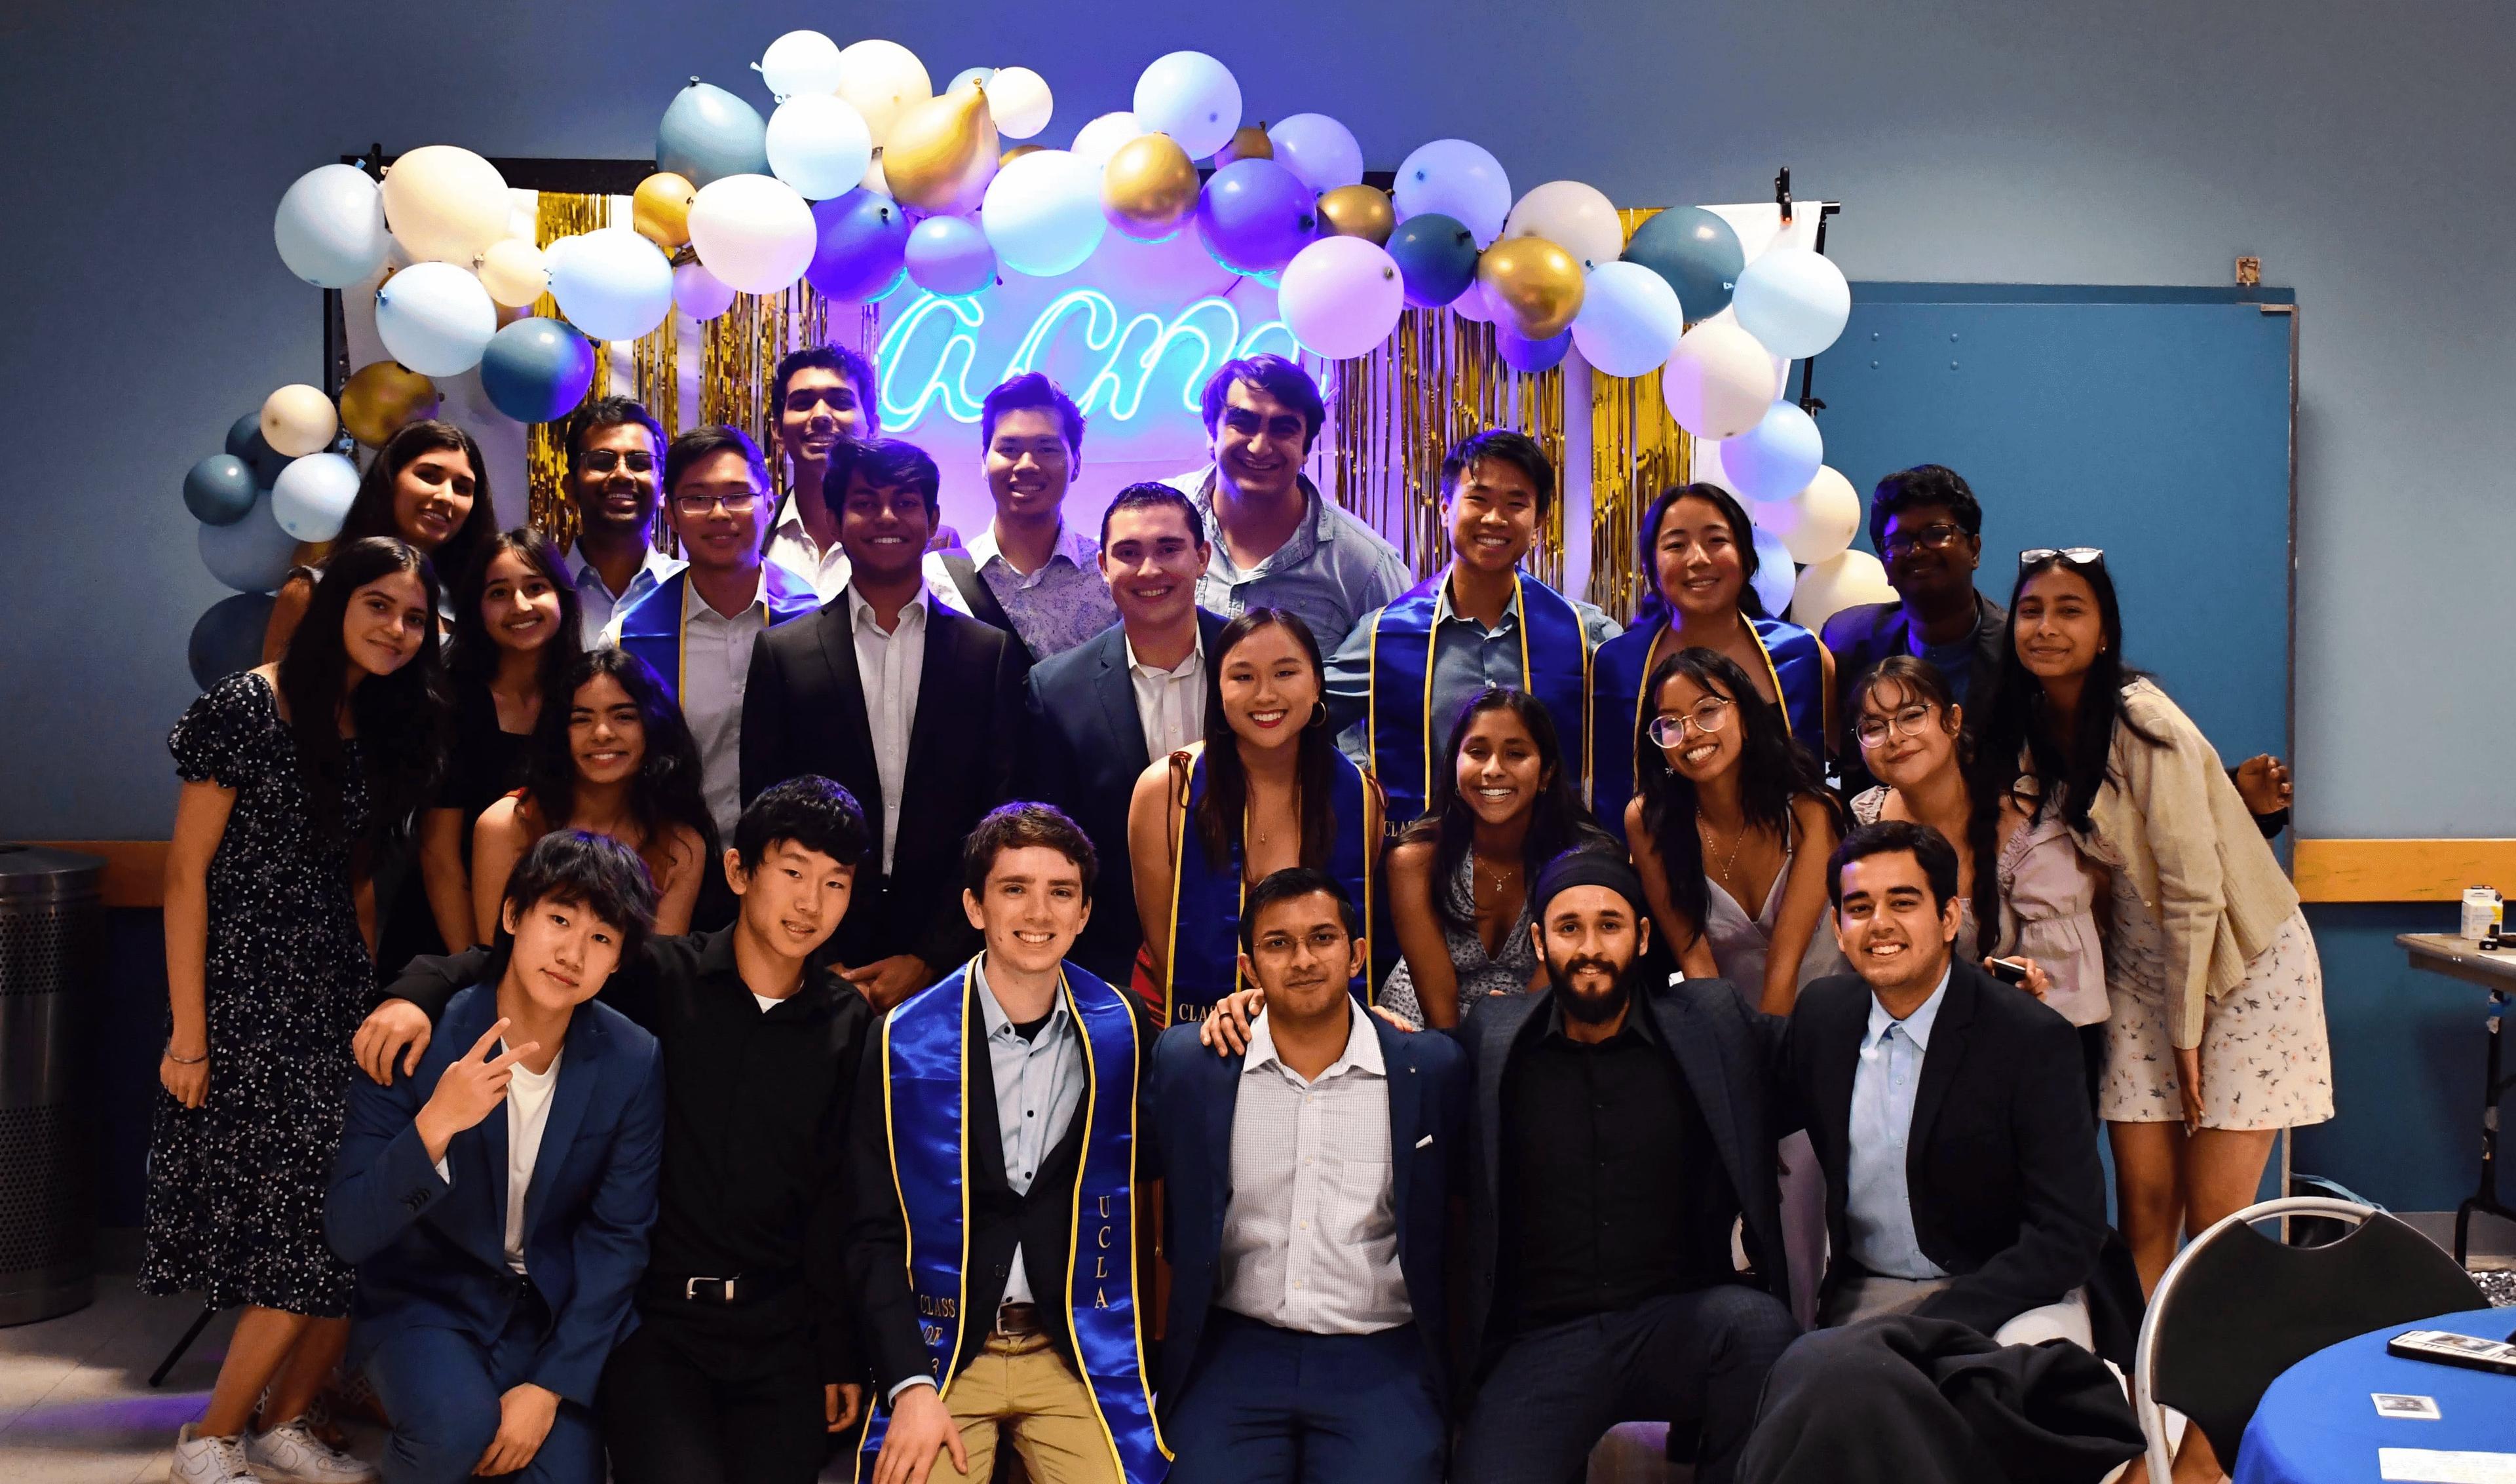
(2435, 1466)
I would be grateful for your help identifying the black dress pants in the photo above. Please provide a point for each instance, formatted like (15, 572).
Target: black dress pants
(713, 1396)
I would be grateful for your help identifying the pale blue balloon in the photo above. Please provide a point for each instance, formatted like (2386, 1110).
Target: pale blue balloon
(708, 134)
(331, 226)
(1320, 151)
(1456, 179)
(1776, 577)
(611, 284)
(1777, 459)
(435, 319)
(1794, 300)
(970, 74)
(313, 495)
(1191, 96)
(950, 257)
(252, 555)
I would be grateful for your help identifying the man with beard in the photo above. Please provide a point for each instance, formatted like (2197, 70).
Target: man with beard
(615, 470)
(1621, 1129)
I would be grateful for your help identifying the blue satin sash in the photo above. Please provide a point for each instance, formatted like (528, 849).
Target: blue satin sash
(652, 627)
(1555, 664)
(926, 1090)
(1205, 951)
(1792, 658)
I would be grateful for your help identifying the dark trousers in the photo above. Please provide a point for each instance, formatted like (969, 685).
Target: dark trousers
(441, 1390)
(1690, 1360)
(1270, 1406)
(722, 1396)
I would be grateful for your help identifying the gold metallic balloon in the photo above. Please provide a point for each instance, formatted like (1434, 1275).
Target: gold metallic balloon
(380, 400)
(1149, 189)
(660, 209)
(1358, 211)
(1249, 142)
(1533, 283)
(941, 154)
(1017, 152)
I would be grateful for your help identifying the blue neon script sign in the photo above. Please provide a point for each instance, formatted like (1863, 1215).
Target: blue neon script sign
(928, 352)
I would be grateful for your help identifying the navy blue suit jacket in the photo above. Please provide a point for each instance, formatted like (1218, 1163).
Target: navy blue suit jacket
(433, 1256)
(1186, 1132)
(1088, 749)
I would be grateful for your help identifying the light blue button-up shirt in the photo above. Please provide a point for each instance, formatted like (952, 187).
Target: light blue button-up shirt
(1040, 1083)
(1331, 571)
(1878, 1209)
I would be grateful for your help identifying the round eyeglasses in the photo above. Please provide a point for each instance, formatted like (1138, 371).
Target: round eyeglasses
(1707, 716)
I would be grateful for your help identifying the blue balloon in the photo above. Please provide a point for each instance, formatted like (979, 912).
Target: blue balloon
(1530, 357)
(1696, 252)
(228, 637)
(219, 490)
(1255, 215)
(709, 134)
(863, 246)
(252, 555)
(331, 227)
(536, 370)
(950, 257)
(245, 441)
(1775, 577)
(1436, 257)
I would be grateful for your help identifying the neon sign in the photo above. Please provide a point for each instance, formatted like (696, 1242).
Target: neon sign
(927, 354)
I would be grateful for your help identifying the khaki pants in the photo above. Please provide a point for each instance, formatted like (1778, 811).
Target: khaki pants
(1022, 1390)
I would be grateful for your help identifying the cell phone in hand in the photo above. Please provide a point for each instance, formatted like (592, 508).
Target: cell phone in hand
(2007, 970)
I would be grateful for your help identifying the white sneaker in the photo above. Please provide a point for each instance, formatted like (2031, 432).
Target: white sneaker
(292, 1451)
(209, 1460)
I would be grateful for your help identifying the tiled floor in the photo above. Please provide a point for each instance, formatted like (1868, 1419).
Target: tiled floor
(75, 1404)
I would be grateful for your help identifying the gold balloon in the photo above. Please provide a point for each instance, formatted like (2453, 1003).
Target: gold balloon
(1533, 283)
(382, 399)
(941, 153)
(1358, 211)
(1017, 152)
(1149, 189)
(660, 210)
(1249, 142)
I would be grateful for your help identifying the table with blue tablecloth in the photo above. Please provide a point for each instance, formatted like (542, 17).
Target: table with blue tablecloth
(2318, 1422)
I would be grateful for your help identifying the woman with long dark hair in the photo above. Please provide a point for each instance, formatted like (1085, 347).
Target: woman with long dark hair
(515, 634)
(1458, 877)
(427, 486)
(1265, 789)
(612, 759)
(1702, 551)
(294, 773)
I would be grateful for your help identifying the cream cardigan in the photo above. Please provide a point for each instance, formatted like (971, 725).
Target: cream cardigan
(2172, 816)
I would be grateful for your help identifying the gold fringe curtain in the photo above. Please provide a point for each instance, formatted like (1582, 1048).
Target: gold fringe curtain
(739, 354)
(1636, 452)
(557, 214)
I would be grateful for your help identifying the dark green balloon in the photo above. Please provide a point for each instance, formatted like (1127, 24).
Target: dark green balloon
(219, 490)
(1696, 252)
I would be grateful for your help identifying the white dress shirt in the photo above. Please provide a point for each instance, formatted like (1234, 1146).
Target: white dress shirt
(790, 547)
(1310, 1236)
(596, 603)
(1170, 703)
(529, 1100)
(716, 664)
(889, 665)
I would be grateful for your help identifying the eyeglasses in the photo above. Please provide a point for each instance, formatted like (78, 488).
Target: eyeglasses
(1929, 538)
(1908, 721)
(1708, 716)
(605, 460)
(2076, 556)
(695, 506)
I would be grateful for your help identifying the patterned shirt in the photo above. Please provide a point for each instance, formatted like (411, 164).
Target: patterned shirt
(1054, 609)
(1331, 571)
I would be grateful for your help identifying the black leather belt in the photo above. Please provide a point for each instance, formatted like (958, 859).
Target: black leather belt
(1016, 1320)
(695, 1287)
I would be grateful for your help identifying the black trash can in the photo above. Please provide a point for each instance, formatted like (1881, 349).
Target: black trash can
(51, 950)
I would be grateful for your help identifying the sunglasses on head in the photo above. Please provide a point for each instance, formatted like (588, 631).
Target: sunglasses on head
(2075, 556)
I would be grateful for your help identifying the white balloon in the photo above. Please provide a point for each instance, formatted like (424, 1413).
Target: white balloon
(699, 293)
(880, 79)
(1191, 98)
(800, 62)
(1819, 521)
(752, 232)
(1719, 381)
(514, 273)
(435, 318)
(1472, 303)
(1019, 101)
(611, 284)
(1042, 213)
(875, 180)
(1320, 152)
(1704, 465)
(1100, 139)
(1793, 300)
(298, 420)
(331, 227)
(1629, 321)
(1775, 459)
(1775, 576)
(819, 145)
(1341, 296)
(445, 204)
(1458, 179)
(1843, 580)
(1577, 218)
(312, 495)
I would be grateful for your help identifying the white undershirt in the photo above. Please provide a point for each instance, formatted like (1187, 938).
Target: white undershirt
(766, 1003)
(529, 1100)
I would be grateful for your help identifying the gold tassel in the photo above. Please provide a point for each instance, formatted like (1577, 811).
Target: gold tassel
(557, 214)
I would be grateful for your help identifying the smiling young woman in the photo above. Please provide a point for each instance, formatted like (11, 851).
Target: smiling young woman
(428, 487)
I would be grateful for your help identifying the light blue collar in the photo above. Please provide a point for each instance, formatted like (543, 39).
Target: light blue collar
(1917, 1025)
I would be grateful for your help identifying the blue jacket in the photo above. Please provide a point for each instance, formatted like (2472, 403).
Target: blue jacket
(433, 1256)
(1186, 1134)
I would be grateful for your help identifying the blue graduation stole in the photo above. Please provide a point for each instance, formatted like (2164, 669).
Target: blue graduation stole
(926, 1088)
(1792, 657)
(652, 627)
(1204, 963)
(1555, 666)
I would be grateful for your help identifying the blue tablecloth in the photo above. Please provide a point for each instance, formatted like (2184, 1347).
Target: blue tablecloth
(2317, 1426)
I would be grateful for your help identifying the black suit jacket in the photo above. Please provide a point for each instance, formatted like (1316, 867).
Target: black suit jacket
(1191, 1101)
(1087, 751)
(2001, 1161)
(1727, 1053)
(804, 711)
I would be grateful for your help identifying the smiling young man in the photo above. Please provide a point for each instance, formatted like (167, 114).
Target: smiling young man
(1480, 622)
(822, 394)
(1308, 1189)
(1273, 541)
(995, 1240)
(1099, 713)
(915, 709)
(615, 460)
(746, 1357)
(497, 1200)
(1028, 572)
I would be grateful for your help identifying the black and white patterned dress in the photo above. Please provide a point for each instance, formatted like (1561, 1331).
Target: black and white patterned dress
(235, 1187)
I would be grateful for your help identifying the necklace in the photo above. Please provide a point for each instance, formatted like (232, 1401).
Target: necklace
(1704, 831)
(1478, 870)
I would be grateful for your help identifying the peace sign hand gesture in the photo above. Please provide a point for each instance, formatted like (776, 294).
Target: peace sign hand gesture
(470, 1089)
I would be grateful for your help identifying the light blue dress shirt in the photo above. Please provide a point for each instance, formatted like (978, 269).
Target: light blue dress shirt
(1331, 571)
(1878, 1209)
(1040, 1083)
